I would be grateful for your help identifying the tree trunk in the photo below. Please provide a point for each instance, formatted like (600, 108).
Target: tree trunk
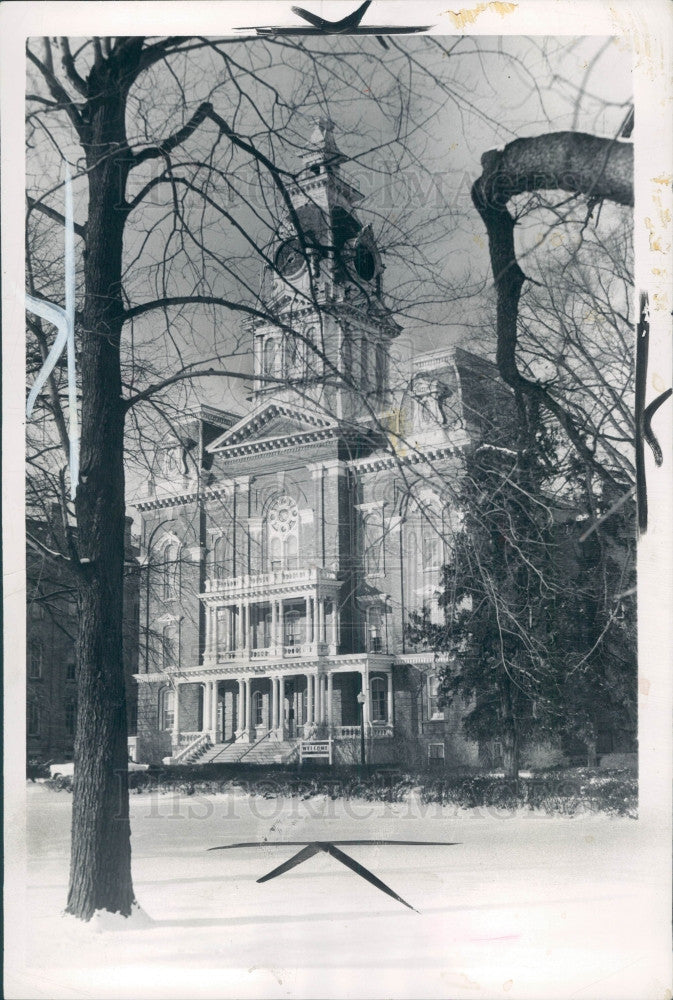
(511, 755)
(100, 866)
(511, 748)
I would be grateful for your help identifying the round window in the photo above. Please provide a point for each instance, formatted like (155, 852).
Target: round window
(282, 516)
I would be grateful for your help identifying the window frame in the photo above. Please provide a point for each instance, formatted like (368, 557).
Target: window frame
(167, 700)
(257, 708)
(33, 715)
(437, 714)
(379, 698)
(36, 660)
(170, 570)
(70, 716)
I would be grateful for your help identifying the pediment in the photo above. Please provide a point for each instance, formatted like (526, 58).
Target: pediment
(272, 421)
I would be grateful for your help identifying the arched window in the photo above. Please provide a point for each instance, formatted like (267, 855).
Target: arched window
(257, 708)
(171, 571)
(373, 544)
(291, 552)
(309, 353)
(36, 659)
(364, 364)
(170, 647)
(412, 587)
(292, 630)
(374, 639)
(432, 560)
(380, 370)
(347, 355)
(379, 689)
(222, 556)
(275, 553)
(281, 532)
(166, 708)
(270, 356)
(434, 710)
(293, 364)
(432, 548)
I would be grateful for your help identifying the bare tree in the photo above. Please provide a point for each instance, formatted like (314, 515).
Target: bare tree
(179, 196)
(185, 151)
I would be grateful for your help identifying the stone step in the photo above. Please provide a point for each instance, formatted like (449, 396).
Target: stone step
(264, 753)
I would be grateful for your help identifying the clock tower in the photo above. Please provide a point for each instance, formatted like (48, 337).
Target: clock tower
(330, 343)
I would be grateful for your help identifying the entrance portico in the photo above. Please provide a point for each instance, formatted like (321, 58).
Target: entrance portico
(278, 704)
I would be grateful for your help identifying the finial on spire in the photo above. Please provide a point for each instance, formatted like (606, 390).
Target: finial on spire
(323, 145)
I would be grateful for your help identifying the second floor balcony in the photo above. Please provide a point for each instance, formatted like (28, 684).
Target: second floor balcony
(252, 585)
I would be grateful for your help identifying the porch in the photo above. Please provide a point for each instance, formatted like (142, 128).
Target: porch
(281, 707)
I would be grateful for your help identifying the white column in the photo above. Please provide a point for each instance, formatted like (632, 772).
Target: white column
(215, 701)
(176, 716)
(330, 678)
(281, 623)
(309, 698)
(281, 705)
(334, 639)
(309, 620)
(209, 631)
(273, 639)
(248, 703)
(323, 700)
(207, 688)
(239, 642)
(390, 698)
(321, 620)
(365, 708)
(244, 611)
(241, 707)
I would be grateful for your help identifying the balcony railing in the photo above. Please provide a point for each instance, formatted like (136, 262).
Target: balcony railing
(307, 649)
(377, 731)
(230, 585)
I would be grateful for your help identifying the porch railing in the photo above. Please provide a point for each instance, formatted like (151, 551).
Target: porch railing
(185, 754)
(351, 732)
(185, 738)
(310, 574)
(274, 652)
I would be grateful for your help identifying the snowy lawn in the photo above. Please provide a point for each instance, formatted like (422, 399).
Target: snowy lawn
(525, 906)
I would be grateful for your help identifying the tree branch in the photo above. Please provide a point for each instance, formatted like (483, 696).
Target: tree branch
(69, 67)
(170, 143)
(569, 161)
(39, 206)
(58, 92)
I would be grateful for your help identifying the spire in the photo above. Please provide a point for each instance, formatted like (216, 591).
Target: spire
(323, 150)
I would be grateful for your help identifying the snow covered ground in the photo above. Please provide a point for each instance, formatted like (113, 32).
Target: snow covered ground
(525, 906)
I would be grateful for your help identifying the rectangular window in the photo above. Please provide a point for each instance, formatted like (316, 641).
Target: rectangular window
(33, 719)
(435, 751)
(70, 671)
(434, 711)
(379, 689)
(70, 717)
(35, 660)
